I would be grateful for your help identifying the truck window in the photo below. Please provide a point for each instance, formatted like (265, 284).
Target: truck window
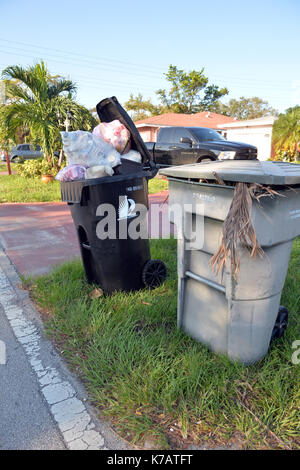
(181, 132)
(165, 135)
(204, 134)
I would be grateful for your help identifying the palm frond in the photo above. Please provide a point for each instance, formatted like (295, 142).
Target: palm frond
(61, 86)
(16, 91)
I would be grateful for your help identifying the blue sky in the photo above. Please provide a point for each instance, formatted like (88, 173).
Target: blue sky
(122, 47)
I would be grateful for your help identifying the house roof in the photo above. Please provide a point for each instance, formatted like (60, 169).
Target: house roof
(262, 121)
(203, 119)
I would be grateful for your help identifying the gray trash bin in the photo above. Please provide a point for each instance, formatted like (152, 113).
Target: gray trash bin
(234, 315)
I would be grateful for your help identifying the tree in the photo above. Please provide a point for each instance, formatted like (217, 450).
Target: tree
(41, 102)
(190, 92)
(141, 108)
(286, 131)
(247, 108)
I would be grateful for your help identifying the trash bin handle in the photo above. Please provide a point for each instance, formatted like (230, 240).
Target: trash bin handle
(153, 170)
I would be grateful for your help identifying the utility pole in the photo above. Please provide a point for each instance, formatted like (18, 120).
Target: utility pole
(67, 124)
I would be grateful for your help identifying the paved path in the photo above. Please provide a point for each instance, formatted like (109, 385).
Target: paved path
(38, 236)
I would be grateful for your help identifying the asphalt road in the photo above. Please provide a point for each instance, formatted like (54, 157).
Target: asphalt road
(25, 419)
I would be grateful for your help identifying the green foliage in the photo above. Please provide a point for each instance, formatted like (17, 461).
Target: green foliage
(189, 92)
(37, 168)
(141, 108)
(286, 131)
(284, 156)
(247, 108)
(40, 103)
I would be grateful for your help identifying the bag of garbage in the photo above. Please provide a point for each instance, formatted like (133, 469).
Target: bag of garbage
(71, 173)
(133, 156)
(115, 133)
(84, 148)
(98, 172)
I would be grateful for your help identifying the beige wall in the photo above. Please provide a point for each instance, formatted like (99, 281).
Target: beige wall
(260, 136)
(148, 134)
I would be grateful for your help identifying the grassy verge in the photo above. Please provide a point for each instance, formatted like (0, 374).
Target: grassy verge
(153, 381)
(157, 184)
(16, 188)
(3, 166)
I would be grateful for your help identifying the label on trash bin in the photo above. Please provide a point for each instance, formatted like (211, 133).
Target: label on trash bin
(126, 208)
(134, 188)
(204, 197)
(294, 214)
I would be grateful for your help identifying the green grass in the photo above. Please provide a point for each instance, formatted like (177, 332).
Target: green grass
(157, 184)
(16, 188)
(149, 377)
(3, 166)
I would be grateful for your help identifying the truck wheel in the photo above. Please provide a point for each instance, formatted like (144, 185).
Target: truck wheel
(205, 159)
(280, 323)
(154, 273)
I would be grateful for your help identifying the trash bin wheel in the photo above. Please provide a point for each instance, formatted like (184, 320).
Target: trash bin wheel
(280, 323)
(154, 273)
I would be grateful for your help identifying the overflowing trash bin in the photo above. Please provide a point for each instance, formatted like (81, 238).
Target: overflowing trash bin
(230, 284)
(106, 187)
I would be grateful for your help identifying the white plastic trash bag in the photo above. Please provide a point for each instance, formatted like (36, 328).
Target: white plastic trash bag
(84, 148)
(98, 172)
(133, 156)
(71, 173)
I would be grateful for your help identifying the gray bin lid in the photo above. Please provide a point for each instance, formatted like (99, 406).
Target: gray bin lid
(245, 171)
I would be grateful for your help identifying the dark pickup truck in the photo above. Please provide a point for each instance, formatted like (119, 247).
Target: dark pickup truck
(183, 145)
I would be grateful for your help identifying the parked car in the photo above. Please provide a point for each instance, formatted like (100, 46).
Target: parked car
(24, 152)
(183, 145)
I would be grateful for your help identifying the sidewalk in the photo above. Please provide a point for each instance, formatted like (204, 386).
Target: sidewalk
(37, 236)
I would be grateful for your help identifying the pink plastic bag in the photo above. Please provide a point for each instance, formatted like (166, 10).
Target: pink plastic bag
(71, 173)
(115, 133)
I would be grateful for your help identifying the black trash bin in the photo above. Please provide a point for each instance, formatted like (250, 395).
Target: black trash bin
(117, 262)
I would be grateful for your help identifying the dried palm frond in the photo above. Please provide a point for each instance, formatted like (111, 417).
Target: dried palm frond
(237, 228)
(258, 190)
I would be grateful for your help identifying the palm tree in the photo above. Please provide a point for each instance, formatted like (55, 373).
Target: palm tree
(41, 102)
(286, 130)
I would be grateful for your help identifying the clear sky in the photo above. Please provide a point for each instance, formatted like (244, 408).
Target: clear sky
(119, 47)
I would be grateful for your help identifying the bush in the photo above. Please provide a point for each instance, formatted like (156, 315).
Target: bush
(283, 156)
(37, 168)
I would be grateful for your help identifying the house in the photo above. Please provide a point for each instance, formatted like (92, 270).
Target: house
(149, 127)
(256, 132)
